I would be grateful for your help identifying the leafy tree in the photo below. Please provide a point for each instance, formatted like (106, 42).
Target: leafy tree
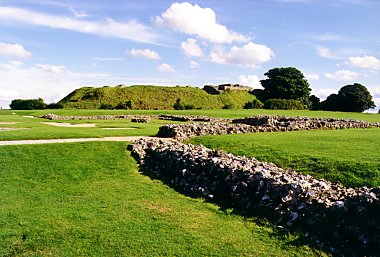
(28, 104)
(332, 103)
(350, 98)
(315, 102)
(286, 83)
(355, 98)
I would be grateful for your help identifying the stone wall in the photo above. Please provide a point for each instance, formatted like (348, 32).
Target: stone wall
(184, 118)
(345, 220)
(258, 124)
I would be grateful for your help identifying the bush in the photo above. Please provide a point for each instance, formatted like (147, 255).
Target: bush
(106, 106)
(189, 106)
(126, 105)
(284, 104)
(255, 104)
(178, 105)
(28, 104)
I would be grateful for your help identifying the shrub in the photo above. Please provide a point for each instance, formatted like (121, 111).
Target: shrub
(126, 105)
(189, 107)
(284, 104)
(178, 105)
(106, 106)
(255, 104)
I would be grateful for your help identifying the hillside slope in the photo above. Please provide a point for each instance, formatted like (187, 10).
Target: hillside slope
(153, 97)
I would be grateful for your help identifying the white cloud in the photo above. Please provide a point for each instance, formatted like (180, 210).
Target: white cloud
(11, 65)
(51, 68)
(13, 50)
(191, 48)
(323, 93)
(342, 75)
(164, 67)
(7, 94)
(376, 91)
(250, 80)
(194, 65)
(195, 20)
(51, 82)
(250, 55)
(311, 76)
(367, 62)
(145, 53)
(131, 30)
(325, 53)
(108, 59)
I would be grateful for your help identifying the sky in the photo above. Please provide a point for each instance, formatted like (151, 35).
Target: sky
(48, 48)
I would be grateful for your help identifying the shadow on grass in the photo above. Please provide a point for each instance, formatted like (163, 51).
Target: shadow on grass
(320, 232)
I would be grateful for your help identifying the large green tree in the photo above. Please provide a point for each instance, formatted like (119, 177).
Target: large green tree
(350, 98)
(355, 98)
(286, 83)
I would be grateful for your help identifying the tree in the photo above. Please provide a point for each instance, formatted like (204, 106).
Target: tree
(315, 102)
(332, 103)
(28, 104)
(355, 98)
(350, 98)
(286, 83)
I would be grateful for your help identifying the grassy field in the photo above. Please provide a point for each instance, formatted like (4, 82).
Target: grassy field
(241, 113)
(87, 199)
(36, 130)
(349, 156)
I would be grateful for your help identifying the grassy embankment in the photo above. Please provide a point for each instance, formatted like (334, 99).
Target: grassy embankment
(154, 97)
(87, 199)
(349, 156)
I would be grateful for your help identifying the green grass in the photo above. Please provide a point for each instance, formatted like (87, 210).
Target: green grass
(36, 130)
(88, 199)
(349, 156)
(241, 113)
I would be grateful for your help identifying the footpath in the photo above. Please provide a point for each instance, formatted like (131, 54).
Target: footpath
(74, 140)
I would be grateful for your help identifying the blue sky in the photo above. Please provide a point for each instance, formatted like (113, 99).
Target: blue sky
(48, 48)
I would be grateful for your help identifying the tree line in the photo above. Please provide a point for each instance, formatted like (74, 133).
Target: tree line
(287, 88)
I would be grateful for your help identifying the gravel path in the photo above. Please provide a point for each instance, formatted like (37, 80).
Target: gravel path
(73, 140)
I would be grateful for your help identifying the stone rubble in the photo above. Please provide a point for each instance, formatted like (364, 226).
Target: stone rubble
(184, 118)
(259, 124)
(348, 217)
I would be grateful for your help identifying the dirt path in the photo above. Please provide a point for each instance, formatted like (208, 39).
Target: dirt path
(73, 140)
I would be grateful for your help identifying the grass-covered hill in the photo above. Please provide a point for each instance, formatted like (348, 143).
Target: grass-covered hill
(153, 97)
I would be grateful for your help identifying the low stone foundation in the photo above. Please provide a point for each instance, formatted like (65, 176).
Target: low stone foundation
(259, 124)
(345, 220)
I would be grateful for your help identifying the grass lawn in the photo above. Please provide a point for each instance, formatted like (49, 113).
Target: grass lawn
(351, 156)
(37, 130)
(236, 113)
(88, 199)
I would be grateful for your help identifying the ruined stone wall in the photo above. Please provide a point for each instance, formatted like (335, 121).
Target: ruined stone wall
(347, 218)
(118, 117)
(258, 124)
